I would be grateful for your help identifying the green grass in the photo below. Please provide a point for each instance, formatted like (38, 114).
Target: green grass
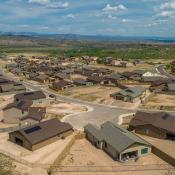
(102, 49)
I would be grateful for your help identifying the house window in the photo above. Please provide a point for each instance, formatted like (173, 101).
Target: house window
(144, 151)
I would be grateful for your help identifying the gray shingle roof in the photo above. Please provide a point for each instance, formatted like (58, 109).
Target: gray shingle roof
(115, 135)
(120, 138)
(94, 130)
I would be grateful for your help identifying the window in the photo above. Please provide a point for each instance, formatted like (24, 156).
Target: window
(144, 151)
(146, 131)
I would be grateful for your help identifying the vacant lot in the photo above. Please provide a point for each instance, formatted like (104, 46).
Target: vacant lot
(98, 94)
(83, 153)
(86, 156)
(161, 101)
(144, 66)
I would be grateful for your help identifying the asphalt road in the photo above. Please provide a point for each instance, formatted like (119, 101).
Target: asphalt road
(97, 113)
(162, 71)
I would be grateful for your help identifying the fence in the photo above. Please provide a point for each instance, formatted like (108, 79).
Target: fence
(153, 167)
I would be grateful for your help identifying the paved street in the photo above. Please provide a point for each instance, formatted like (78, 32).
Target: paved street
(162, 71)
(97, 113)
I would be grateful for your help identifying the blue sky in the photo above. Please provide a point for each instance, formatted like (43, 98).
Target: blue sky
(90, 17)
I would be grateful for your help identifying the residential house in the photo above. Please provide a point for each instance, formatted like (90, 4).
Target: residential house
(42, 78)
(41, 134)
(82, 82)
(95, 79)
(14, 112)
(159, 124)
(61, 85)
(116, 141)
(35, 96)
(131, 94)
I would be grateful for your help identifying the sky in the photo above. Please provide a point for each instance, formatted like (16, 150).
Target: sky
(89, 17)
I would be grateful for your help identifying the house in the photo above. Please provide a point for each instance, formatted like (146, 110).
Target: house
(116, 141)
(131, 94)
(95, 79)
(158, 86)
(62, 76)
(159, 125)
(82, 82)
(41, 134)
(61, 85)
(42, 78)
(35, 115)
(135, 75)
(151, 77)
(35, 96)
(114, 78)
(14, 112)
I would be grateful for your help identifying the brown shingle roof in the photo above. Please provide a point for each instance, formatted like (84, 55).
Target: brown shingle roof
(34, 95)
(44, 130)
(160, 120)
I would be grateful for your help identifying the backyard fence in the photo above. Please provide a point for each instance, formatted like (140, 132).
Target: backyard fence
(153, 167)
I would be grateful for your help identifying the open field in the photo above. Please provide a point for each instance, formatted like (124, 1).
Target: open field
(96, 94)
(143, 66)
(163, 101)
(60, 47)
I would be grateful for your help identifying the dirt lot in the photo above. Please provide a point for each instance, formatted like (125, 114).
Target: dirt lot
(98, 94)
(163, 101)
(84, 155)
(144, 66)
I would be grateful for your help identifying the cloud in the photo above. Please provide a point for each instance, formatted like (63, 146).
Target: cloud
(71, 16)
(39, 1)
(58, 5)
(108, 8)
(166, 14)
(51, 4)
(168, 5)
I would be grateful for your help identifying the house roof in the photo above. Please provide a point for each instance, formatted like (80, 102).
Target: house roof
(23, 105)
(115, 77)
(60, 84)
(94, 130)
(44, 130)
(42, 77)
(96, 78)
(160, 120)
(35, 113)
(115, 135)
(34, 95)
(131, 91)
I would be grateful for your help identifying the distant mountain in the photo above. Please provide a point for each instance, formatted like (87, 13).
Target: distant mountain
(90, 37)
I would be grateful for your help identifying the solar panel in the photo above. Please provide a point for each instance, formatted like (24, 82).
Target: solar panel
(36, 128)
